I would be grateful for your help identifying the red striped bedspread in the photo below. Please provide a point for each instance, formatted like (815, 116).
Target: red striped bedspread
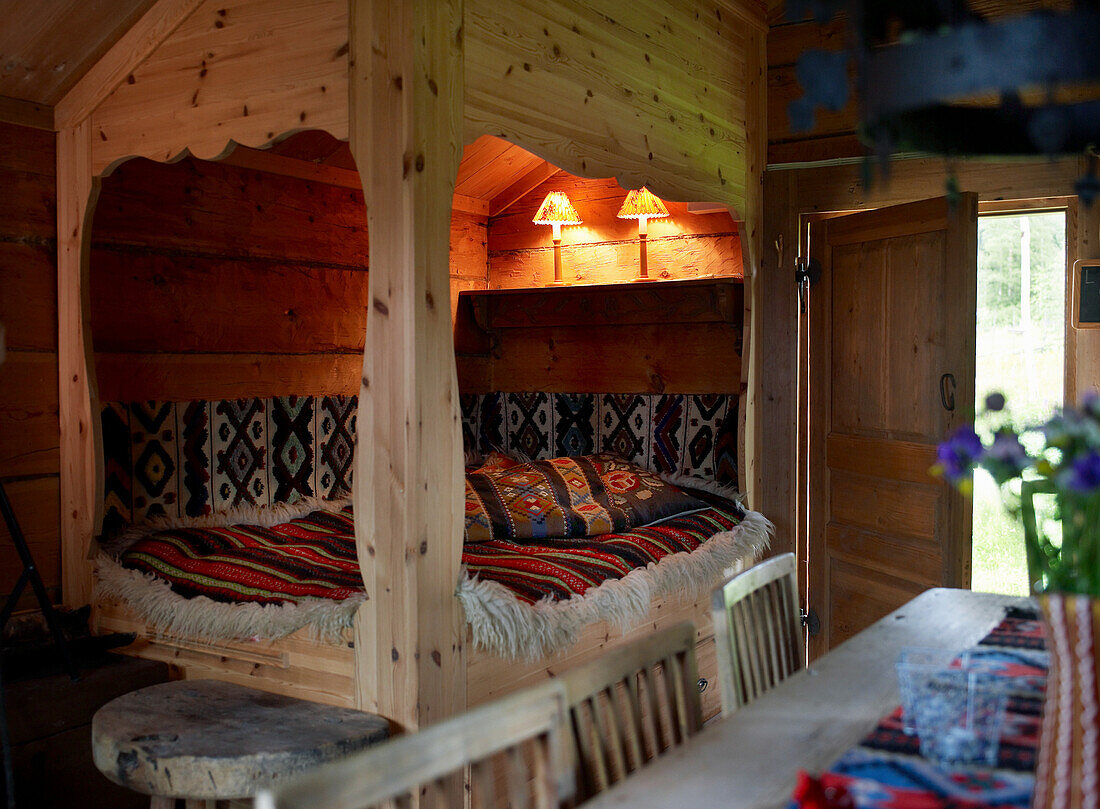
(314, 557)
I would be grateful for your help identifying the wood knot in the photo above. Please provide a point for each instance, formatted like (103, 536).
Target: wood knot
(380, 307)
(437, 658)
(394, 654)
(420, 162)
(429, 299)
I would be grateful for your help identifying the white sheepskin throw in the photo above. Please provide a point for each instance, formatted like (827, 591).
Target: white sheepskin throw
(504, 625)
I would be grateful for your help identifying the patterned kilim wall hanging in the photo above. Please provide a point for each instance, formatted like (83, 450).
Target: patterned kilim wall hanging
(190, 459)
(680, 434)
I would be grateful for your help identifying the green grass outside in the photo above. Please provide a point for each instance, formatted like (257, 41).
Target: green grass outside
(1028, 369)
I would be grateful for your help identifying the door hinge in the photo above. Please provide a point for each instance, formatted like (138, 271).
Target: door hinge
(811, 622)
(806, 274)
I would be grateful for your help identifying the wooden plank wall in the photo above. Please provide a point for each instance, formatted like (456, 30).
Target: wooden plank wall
(211, 281)
(834, 132)
(29, 437)
(604, 249)
(650, 95)
(674, 337)
(215, 281)
(653, 357)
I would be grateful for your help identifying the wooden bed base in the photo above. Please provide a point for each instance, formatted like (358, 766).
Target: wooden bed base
(324, 670)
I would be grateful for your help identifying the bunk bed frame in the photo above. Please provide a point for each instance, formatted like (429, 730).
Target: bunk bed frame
(670, 95)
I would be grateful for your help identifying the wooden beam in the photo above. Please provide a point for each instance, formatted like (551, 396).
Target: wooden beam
(130, 51)
(26, 113)
(246, 157)
(406, 135)
(522, 187)
(474, 205)
(751, 440)
(81, 462)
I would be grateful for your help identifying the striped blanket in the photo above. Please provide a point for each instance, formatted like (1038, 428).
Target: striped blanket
(557, 569)
(300, 568)
(314, 557)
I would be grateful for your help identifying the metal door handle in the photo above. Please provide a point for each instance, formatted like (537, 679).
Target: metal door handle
(947, 392)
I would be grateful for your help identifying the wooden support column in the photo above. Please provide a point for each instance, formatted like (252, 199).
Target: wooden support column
(406, 123)
(756, 148)
(81, 481)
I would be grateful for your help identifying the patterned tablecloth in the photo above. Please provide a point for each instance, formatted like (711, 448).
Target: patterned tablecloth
(886, 771)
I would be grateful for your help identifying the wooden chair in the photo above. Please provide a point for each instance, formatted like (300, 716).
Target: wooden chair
(633, 704)
(517, 745)
(757, 630)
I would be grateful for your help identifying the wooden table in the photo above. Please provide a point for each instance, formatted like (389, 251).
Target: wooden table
(752, 758)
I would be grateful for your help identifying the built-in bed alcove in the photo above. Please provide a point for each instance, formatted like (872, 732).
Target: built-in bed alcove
(669, 102)
(229, 301)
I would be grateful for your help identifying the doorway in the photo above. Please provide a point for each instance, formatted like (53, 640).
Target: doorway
(1020, 352)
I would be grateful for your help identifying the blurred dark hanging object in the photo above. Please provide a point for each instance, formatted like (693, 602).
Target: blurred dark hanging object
(936, 77)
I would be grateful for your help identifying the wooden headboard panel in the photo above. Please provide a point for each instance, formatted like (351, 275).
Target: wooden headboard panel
(644, 337)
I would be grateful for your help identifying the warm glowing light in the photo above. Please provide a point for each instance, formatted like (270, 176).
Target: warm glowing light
(640, 204)
(556, 210)
(643, 206)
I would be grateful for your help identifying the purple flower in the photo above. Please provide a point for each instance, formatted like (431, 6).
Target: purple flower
(1083, 474)
(1007, 449)
(1006, 457)
(957, 455)
(995, 402)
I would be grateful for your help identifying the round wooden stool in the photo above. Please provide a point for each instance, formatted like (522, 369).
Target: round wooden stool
(204, 740)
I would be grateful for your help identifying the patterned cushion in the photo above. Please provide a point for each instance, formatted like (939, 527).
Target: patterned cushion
(566, 498)
(495, 461)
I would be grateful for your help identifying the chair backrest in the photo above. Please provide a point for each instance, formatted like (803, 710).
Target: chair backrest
(633, 704)
(518, 745)
(757, 630)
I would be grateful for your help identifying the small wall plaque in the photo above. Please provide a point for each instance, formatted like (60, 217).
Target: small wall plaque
(1086, 294)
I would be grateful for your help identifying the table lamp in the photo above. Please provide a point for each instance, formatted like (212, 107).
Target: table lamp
(556, 210)
(640, 204)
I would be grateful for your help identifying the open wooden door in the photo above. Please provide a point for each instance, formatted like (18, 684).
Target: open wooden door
(891, 372)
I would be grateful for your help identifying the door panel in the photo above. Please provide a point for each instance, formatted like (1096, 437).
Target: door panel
(860, 596)
(893, 312)
(881, 504)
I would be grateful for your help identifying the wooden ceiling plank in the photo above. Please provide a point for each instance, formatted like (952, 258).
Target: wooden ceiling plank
(497, 175)
(130, 51)
(522, 187)
(26, 113)
(48, 44)
(246, 157)
(479, 154)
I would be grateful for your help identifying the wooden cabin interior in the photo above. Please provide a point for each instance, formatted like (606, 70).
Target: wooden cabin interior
(252, 201)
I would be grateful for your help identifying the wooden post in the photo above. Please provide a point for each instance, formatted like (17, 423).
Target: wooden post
(81, 480)
(752, 240)
(406, 119)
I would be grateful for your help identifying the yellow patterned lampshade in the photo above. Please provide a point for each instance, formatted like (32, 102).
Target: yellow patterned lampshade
(556, 210)
(641, 204)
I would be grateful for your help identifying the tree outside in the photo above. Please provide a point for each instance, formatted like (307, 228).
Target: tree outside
(1020, 353)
